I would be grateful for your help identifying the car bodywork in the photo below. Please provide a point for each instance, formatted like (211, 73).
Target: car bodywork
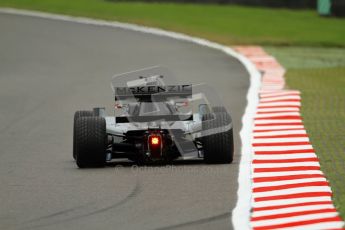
(156, 121)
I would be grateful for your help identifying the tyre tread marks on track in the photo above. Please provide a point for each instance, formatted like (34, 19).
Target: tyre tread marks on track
(237, 213)
(74, 213)
(283, 157)
(195, 223)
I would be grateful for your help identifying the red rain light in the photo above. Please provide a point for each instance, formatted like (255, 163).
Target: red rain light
(155, 140)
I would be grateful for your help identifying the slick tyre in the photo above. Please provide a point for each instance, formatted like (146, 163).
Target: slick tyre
(91, 142)
(218, 142)
(77, 115)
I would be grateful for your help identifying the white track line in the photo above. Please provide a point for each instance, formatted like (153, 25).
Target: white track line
(286, 132)
(286, 182)
(284, 156)
(291, 103)
(292, 209)
(270, 99)
(333, 225)
(263, 223)
(282, 148)
(241, 213)
(279, 127)
(276, 121)
(267, 110)
(280, 140)
(289, 97)
(277, 114)
(280, 165)
(287, 173)
(292, 191)
(280, 174)
(290, 201)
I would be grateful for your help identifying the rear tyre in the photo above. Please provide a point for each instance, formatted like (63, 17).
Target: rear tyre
(91, 142)
(77, 115)
(218, 142)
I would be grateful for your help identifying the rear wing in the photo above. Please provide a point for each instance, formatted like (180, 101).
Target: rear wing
(153, 93)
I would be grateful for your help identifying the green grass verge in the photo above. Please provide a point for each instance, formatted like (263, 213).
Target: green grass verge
(323, 107)
(229, 25)
(323, 111)
(308, 57)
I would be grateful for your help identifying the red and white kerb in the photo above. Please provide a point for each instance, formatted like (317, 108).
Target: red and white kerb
(289, 191)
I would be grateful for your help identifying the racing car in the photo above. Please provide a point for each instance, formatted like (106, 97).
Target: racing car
(153, 122)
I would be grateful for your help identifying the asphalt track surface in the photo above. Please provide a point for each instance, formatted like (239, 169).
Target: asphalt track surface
(48, 70)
